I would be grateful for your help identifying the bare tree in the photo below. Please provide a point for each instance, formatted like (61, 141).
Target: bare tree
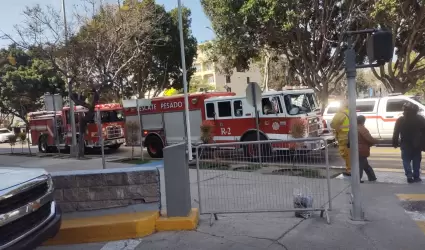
(104, 42)
(406, 20)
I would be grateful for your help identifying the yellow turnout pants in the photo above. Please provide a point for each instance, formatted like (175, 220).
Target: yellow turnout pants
(344, 151)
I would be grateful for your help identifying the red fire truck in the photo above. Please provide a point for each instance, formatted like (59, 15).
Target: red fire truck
(44, 135)
(234, 118)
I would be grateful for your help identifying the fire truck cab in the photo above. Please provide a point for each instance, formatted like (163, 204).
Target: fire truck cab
(234, 119)
(51, 131)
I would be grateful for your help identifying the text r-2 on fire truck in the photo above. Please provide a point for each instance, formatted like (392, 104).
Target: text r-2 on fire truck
(234, 119)
(42, 125)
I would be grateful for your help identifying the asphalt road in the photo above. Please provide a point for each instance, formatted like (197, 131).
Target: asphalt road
(381, 157)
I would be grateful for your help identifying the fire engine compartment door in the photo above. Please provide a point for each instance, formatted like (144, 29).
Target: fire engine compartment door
(174, 127)
(153, 121)
(195, 117)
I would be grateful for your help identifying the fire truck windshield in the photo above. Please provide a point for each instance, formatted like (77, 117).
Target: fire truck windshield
(300, 103)
(112, 116)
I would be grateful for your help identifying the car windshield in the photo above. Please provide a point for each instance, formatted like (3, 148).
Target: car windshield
(4, 131)
(300, 103)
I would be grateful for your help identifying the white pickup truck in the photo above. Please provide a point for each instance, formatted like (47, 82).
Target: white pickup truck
(28, 213)
(381, 113)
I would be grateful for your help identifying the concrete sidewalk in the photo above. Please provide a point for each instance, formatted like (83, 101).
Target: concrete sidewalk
(387, 227)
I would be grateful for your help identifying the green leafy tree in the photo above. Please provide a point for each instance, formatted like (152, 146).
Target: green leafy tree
(22, 85)
(406, 20)
(197, 83)
(419, 88)
(160, 66)
(307, 33)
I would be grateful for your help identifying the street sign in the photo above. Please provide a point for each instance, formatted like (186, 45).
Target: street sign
(253, 94)
(53, 102)
(132, 103)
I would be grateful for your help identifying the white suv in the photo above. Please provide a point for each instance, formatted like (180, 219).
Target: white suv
(4, 135)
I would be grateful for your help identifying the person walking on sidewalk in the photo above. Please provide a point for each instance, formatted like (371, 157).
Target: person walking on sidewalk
(341, 124)
(365, 142)
(408, 132)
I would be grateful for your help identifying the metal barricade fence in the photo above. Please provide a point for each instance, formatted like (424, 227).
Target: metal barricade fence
(289, 176)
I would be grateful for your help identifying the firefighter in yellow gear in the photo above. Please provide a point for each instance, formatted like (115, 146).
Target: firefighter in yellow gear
(341, 125)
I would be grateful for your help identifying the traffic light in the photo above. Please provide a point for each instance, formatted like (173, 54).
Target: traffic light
(380, 47)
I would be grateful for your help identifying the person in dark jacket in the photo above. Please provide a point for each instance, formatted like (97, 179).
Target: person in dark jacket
(407, 134)
(365, 142)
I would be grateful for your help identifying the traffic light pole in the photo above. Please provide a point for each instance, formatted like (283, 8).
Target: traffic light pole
(73, 149)
(380, 48)
(350, 70)
(185, 87)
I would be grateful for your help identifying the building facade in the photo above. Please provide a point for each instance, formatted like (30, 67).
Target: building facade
(237, 82)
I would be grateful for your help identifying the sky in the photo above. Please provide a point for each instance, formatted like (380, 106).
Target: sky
(11, 14)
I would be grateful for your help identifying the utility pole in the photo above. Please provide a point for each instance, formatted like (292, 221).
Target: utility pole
(350, 71)
(74, 149)
(380, 48)
(186, 98)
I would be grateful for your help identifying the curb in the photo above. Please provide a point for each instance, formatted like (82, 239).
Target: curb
(413, 198)
(120, 227)
(178, 223)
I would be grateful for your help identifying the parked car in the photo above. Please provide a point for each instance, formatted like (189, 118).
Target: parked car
(4, 134)
(28, 213)
(381, 113)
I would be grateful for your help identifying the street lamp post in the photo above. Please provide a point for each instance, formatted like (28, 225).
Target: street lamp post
(71, 103)
(186, 98)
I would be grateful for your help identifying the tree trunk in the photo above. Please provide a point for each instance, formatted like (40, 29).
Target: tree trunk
(266, 72)
(82, 132)
(29, 146)
(399, 87)
(324, 96)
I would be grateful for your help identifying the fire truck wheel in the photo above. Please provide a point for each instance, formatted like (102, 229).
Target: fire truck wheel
(43, 147)
(154, 146)
(115, 147)
(252, 151)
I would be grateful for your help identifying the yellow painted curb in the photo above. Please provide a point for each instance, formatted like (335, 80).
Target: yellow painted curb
(120, 227)
(105, 228)
(421, 225)
(178, 223)
(411, 197)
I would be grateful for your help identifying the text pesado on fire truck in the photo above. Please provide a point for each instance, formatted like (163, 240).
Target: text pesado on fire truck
(234, 119)
(44, 133)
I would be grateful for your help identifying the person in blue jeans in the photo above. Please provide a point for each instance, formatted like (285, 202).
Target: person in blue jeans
(408, 131)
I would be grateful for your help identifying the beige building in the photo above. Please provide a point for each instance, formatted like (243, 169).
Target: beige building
(207, 71)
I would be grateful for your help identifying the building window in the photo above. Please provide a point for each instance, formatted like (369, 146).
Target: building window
(237, 107)
(227, 79)
(210, 79)
(210, 110)
(208, 66)
(198, 67)
(224, 109)
(395, 105)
